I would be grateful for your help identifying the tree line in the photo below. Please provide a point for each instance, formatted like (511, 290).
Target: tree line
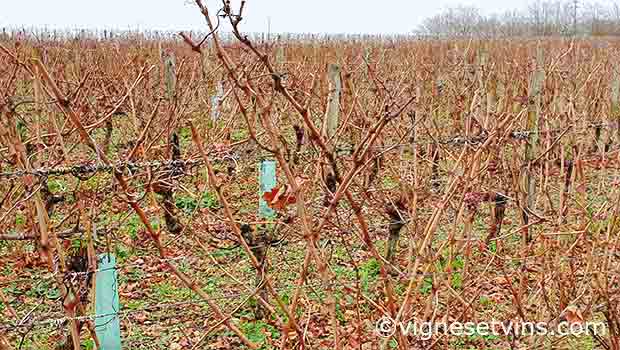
(539, 18)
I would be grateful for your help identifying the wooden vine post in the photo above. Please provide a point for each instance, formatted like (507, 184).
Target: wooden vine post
(170, 77)
(204, 61)
(280, 58)
(38, 100)
(216, 101)
(170, 82)
(615, 105)
(479, 105)
(330, 124)
(332, 117)
(162, 187)
(533, 120)
(564, 106)
(492, 106)
(366, 62)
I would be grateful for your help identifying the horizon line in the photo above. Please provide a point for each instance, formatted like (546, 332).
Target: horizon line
(139, 29)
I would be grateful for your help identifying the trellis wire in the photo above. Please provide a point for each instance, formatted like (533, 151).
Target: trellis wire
(58, 322)
(132, 166)
(95, 168)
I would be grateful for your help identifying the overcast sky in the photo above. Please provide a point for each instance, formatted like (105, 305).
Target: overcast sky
(297, 16)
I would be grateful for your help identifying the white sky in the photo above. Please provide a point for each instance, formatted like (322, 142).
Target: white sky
(296, 16)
